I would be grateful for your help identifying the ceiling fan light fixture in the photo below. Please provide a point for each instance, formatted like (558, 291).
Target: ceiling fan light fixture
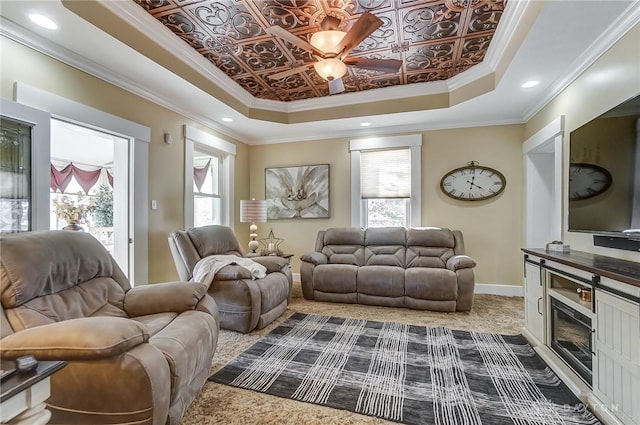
(330, 69)
(327, 41)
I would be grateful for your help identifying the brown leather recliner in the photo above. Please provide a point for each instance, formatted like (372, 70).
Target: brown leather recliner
(245, 304)
(135, 355)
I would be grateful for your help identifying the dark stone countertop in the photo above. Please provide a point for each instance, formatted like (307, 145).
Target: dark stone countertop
(621, 270)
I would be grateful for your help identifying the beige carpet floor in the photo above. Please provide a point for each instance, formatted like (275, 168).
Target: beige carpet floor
(221, 404)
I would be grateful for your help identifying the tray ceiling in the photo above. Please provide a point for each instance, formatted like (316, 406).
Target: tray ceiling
(436, 40)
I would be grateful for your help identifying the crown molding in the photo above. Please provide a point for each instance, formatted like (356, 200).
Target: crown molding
(346, 99)
(168, 40)
(629, 19)
(43, 45)
(386, 131)
(163, 36)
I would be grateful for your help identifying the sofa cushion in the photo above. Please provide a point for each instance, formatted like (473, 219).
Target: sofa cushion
(344, 246)
(430, 247)
(385, 236)
(385, 255)
(336, 278)
(187, 343)
(214, 240)
(431, 284)
(68, 260)
(101, 296)
(344, 236)
(429, 257)
(386, 281)
(436, 237)
(274, 288)
(155, 322)
(88, 338)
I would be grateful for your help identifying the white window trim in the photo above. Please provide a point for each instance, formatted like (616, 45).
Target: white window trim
(68, 110)
(223, 149)
(411, 141)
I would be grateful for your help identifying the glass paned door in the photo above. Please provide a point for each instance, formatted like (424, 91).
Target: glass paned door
(15, 176)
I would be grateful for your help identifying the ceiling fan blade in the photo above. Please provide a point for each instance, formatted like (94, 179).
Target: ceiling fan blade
(336, 86)
(382, 65)
(282, 33)
(288, 72)
(363, 28)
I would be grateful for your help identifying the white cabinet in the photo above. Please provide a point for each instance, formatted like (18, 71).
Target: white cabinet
(616, 380)
(534, 298)
(610, 326)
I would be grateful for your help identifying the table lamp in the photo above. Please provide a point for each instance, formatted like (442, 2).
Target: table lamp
(253, 211)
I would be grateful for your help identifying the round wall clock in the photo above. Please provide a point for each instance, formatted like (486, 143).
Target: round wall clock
(473, 182)
(587, 181)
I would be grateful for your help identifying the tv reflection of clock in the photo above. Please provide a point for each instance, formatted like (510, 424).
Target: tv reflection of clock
(587, 181)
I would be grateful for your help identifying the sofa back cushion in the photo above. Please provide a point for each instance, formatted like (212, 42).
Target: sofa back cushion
(385, 246)
(430, 247)
(344, 246)
(47, 277)
(214, 240)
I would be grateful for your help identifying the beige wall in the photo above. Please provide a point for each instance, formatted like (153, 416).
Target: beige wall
(612, 79)
(300, 234)
(492, 228)
(166, 169)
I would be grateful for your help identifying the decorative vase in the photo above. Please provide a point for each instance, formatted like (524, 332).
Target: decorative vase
(74, 227)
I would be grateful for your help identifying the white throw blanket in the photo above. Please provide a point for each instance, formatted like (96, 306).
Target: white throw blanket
(206, 269)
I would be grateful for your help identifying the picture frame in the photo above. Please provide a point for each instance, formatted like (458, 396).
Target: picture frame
(297, 192)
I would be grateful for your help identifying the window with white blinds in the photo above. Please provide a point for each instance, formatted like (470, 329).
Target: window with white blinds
(386, 181)
(385, 174)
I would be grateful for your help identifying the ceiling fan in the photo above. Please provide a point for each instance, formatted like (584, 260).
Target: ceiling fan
(331, 48)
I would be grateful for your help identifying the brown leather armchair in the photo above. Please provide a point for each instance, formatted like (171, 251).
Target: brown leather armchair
(135, 355)
(245, 303)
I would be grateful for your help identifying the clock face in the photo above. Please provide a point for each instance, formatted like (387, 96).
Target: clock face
(587, 181)
(473, 183)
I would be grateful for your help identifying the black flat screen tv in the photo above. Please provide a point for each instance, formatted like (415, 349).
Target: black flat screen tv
(604, 173)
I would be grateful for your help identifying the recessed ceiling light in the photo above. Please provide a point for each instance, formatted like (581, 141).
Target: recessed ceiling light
(529, 84)
(227, 119)
(43, 21)
(365, 124)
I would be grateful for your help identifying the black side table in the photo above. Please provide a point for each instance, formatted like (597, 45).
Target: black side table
(22, 396)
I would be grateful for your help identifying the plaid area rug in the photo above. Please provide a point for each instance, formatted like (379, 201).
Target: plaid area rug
(404, 373)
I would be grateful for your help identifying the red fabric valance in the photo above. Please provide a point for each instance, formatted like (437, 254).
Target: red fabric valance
(60, 179)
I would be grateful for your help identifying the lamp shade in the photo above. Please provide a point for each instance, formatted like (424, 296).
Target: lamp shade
(327, 41)
(253, 211)
(330, 69)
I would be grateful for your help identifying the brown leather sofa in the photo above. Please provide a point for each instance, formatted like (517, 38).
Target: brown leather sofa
(423, 269)
(245, 304)
(135, 355)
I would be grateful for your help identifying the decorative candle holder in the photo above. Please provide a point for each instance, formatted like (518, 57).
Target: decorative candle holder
(271, 244)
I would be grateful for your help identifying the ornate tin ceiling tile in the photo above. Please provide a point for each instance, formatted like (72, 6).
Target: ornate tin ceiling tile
(435, 39)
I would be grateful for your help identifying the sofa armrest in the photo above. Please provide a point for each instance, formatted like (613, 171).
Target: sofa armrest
(208, 305)
(271, 262)
(460, 262)
(163, 297)
(316, 258)
(233, 272)
(76, 339)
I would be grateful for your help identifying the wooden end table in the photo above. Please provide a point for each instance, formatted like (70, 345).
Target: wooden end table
(22, 396)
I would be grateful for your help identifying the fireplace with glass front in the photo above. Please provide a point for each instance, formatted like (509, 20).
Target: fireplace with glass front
(571, 331)
(571, 338)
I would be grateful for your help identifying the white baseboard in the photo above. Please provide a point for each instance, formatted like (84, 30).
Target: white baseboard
(481, 288)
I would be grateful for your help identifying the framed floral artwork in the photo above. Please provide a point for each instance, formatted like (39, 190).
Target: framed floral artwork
(297, 192)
